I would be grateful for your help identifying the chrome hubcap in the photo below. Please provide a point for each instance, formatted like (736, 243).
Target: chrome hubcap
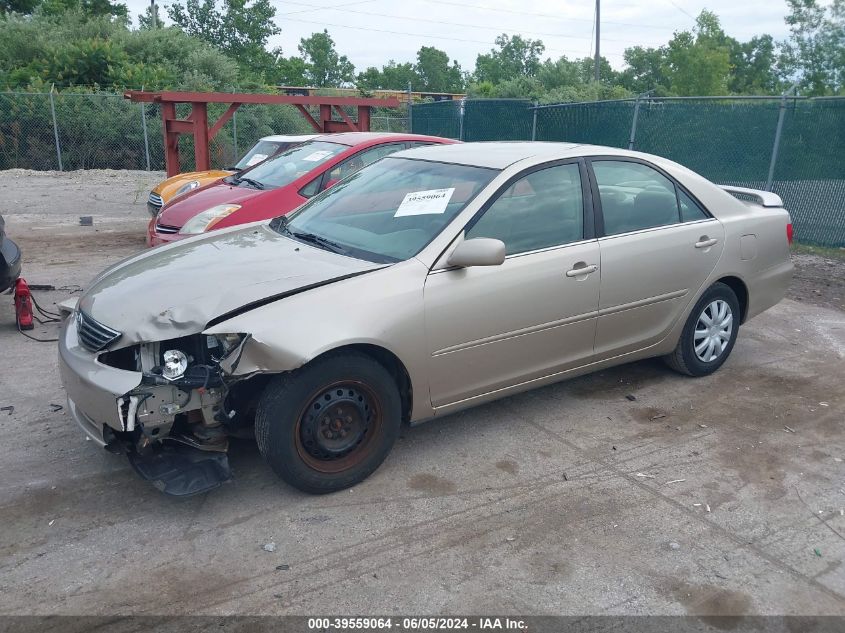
(713, 330)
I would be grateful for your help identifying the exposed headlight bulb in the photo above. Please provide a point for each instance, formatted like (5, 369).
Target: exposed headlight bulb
(175, 364)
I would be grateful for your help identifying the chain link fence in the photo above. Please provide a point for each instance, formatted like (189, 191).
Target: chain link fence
(794, 146)
(69, 131)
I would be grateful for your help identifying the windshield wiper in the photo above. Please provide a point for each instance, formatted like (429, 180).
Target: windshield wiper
(317, 240)
(249, 181)
(280, 225)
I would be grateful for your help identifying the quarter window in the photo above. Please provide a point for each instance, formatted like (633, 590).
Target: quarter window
(635, 197)
(690, 211)
(540, 210)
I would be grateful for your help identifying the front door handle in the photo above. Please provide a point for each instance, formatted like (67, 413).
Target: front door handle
(705, 242)
(580, 269)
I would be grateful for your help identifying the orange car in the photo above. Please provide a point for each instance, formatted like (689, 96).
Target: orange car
(176, 185)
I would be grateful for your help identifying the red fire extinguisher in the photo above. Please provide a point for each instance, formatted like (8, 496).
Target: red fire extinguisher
(23, 305)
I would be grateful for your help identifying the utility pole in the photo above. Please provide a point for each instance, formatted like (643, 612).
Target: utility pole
(598, 38)
(153, 14)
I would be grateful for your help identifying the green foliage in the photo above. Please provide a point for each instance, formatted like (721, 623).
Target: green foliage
(90, 8)
(815, 51)
(431, 73)
(24, 7)
(698, 61)
(240, 30)
(516, 56)
(754, 67)
(392, 76)
(222, 44)
(150, 18)
(78, 50)
(435, 73)
(287, 71)
(646, 70)
(324, 67)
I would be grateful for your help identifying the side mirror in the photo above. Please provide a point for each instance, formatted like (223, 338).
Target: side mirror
(479, 251)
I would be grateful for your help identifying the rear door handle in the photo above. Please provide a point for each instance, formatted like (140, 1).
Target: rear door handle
(583, 269)
(705, 242)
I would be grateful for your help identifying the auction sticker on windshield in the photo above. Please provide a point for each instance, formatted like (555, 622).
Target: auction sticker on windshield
(313, 157)
(424, 202)
(255, 159)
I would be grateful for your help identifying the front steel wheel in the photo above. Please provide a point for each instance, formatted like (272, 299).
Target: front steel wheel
(330, 424)
(337, 426)
(709, 333)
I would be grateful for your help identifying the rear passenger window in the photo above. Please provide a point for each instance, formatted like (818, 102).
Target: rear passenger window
(634, 197)
(543, 209)
(690, 211)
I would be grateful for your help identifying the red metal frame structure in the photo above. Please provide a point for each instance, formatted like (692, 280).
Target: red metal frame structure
(197, 122)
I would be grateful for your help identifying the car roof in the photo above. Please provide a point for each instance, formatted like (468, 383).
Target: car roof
(364, 138)
(497, 154)
(289, 138)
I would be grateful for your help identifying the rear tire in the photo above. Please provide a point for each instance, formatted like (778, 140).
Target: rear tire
(709, 333)
(330, 424)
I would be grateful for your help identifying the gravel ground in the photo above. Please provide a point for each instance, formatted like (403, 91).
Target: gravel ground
(721, 495)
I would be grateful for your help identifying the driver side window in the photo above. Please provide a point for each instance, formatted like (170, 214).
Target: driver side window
(540, 210)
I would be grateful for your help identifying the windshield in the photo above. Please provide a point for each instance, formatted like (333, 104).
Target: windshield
(389, 210)
(261, 151)
(282, 169)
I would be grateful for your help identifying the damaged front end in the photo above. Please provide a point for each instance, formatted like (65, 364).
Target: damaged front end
(175, 424)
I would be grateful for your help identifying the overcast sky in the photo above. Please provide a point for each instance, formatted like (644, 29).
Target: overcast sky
(371, 32)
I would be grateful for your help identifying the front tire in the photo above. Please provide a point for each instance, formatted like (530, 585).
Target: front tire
(330, 424)
(709, 333)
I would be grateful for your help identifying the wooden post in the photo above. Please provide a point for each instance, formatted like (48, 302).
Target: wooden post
(199, 116)
(364, 118)
(171, 139)
(325, 117)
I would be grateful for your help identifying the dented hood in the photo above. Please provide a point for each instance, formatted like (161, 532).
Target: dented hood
(176, 290)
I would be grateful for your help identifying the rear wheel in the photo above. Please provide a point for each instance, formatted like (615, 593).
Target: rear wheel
(330, 424)
(709, 334)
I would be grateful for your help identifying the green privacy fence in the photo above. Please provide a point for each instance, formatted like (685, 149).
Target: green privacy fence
(793, 146)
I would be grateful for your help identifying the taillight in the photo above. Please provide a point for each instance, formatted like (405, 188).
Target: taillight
(789, 232)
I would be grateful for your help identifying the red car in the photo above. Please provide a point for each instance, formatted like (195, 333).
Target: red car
(278, 185)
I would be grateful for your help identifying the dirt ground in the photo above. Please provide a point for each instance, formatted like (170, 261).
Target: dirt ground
(721, 495)
(819, 279)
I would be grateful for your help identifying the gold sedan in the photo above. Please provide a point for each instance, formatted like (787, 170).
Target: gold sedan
(433, 280)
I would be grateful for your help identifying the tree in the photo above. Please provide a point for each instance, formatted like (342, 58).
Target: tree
(606, 73)
(560, 73)
(324, 67)
(754, 66)
(646, 69)
(815, 51)
(240, 30)
(515, 57)
(434, 72)
(431, 73)
(150, 18)
(392, 76)
(87, 8)
(288, 71)
(698, 62)
(24, 7)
